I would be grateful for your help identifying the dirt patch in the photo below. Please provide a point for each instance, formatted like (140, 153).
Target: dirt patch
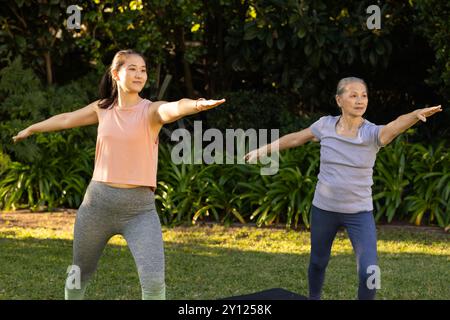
(49, 220)
(64, 219)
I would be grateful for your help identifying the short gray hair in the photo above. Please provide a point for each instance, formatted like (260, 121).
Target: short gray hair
(345, 81)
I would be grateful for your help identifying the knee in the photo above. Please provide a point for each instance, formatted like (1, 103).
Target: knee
(367, 263)
(318, 264)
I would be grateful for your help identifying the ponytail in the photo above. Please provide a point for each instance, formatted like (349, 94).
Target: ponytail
(107, 90)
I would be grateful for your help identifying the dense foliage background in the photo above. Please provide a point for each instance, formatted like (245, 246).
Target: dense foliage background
(276, 62)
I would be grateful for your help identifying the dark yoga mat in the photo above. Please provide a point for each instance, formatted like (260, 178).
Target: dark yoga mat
(270, 294)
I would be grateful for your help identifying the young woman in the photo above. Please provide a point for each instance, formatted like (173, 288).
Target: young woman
(343, 195)
(120, 197)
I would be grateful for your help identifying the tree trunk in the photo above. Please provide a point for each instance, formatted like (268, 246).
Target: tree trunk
(48, 67)
(224, 82)
(186, 66)
(208, 74)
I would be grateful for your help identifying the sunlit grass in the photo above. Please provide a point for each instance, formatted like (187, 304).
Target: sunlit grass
(212, 262)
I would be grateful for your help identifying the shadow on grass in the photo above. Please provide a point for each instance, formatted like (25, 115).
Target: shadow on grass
(36, 269)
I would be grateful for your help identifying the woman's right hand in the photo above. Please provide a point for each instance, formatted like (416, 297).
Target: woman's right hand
(22, 135)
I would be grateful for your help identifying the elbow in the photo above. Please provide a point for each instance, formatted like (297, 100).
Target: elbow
(63, 121)
(168, 112)
(162, 120)
(295, 143)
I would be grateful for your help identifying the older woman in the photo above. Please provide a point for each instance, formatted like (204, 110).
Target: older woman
(343, 195)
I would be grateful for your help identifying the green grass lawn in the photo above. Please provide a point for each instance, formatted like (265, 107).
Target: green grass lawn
(212, 262)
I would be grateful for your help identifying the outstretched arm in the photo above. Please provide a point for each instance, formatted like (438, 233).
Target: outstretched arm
(78, 118)
(287, 141)
(167, 112)
(390, 131)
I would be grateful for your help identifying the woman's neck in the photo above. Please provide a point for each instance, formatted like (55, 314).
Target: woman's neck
(126, 99)
(350, 123)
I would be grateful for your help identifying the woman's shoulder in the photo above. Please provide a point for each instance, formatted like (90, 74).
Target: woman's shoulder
(327, 119)
(147, 102)
(368, 124)
(323, 125)
(331, 118)
(95, 106)
(102, 105)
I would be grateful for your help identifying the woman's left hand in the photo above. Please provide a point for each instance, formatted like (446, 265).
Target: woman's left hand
(202, 104)
(422, 114)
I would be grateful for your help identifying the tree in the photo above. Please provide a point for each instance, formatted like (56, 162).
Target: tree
(35, 31)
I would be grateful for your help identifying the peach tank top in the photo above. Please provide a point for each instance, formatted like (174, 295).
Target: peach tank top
(126, 151)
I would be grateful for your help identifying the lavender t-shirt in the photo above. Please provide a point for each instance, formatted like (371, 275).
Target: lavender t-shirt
(346, 166)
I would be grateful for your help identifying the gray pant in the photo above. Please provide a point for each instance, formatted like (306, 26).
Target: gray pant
(105, 212)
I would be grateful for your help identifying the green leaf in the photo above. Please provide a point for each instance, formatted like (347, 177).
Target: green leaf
(269, 40)
(281, 43)
(308, 49)
(251, 33)
(380, 48)
(301, 33)
(373, 59)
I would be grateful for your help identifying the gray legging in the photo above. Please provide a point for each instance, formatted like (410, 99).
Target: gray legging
(105, 212)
